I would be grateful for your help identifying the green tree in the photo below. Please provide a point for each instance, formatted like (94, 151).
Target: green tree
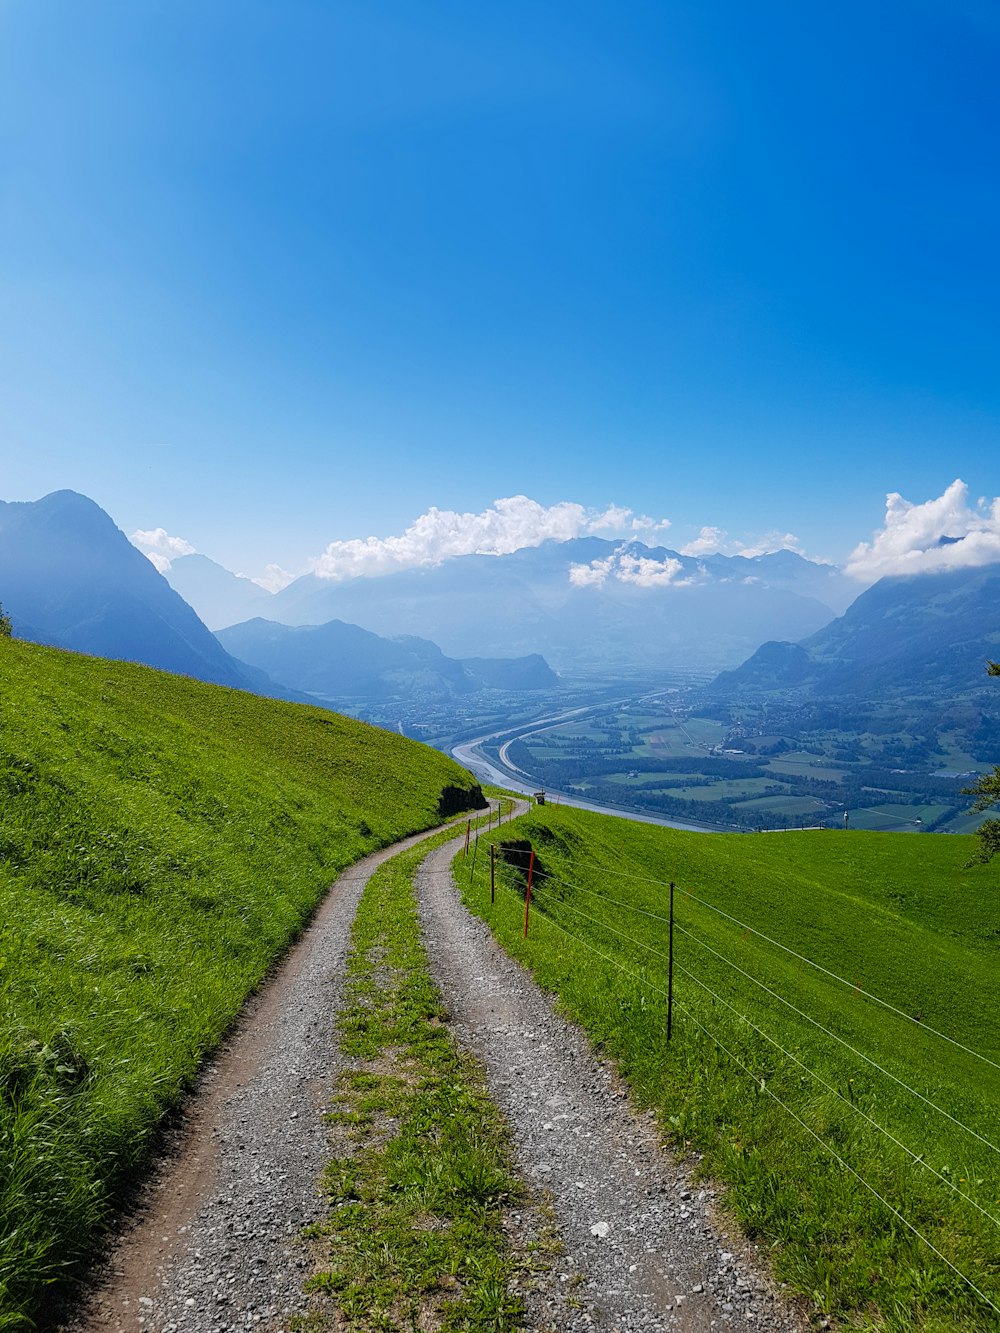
(987, 794)
(6, 628)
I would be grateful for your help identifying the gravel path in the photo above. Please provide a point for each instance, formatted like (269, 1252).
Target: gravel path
(215, 1240)
(643, 1248)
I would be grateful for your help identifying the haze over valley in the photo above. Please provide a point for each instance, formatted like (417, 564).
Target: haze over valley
(710, 688)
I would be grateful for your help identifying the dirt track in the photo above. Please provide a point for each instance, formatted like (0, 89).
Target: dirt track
(214, 1242)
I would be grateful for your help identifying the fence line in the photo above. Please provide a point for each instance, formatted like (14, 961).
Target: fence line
(777, 1045)
(918, 1158)
(845, 1164)
(744, 925)
(846, 1044)
(762, 1085)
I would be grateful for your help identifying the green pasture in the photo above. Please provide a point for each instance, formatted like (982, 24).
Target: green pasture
(161, 842)
(727, 789)
(785, 1080)
(806, 767)
(791, 807)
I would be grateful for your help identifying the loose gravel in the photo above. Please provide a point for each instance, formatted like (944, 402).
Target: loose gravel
(215, 1243)
(643, 1246)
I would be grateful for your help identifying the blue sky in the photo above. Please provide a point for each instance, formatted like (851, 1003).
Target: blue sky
(282, 274)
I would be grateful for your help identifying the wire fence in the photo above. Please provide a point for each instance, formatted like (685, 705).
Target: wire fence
(556, 898)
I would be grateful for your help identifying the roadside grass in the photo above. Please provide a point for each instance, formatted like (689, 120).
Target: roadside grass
(161, 842)
(898, 916)
(422, 1176)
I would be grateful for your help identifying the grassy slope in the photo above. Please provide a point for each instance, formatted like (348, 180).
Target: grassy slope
(161, 841)
(897, 914)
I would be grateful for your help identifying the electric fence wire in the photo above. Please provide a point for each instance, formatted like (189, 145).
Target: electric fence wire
(762, 1085)
(947, 1115)
(916, 1157)
(846, 1044)
(744, 925)
(842, 1162)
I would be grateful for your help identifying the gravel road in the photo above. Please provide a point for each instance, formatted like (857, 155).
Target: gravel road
(214, 1243)
(644, 1248)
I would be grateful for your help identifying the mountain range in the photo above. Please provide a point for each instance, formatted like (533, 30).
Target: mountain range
(588, 602)
(338, 661)
(916, 634)
(69, 577)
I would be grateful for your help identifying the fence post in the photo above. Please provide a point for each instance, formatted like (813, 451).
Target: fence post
(527, 896)
(493, 872)
(468, 832)
(670, 968)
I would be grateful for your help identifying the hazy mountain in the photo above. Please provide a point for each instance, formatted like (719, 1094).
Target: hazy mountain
(337, 660)
(701, 613)
(70, 578)
(925, 633)
(512, 673)
(219, 596)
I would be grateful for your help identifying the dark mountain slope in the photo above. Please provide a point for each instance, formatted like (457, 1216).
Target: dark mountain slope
(916, 634)
(70, 578)
(337, 660)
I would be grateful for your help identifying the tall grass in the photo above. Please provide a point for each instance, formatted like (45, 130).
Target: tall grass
(161, 842)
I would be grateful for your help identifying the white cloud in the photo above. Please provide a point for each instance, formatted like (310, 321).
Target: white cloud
(646, 573)
(709, 541)
(159, 547)
(625, 567)
(775, 541)
(594, 575)
(945, 533)
(508, 525)
(643, 523)
(717, 541)
(273, 579)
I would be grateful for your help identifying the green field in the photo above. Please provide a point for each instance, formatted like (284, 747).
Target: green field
(816, 763)
(161, 842)
(790, 1083)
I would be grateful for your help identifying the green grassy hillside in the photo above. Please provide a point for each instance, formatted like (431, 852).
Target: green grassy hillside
(161, 841)
(783, 1111)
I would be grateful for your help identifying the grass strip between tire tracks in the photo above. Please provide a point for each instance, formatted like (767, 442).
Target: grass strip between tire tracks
(421, 1187)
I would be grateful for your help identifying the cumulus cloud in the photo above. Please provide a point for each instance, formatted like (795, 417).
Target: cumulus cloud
(945, 533)
(624, 566)
(159, 547)
(716, 541)
(775, 541)
(273, 579)
(440, 534)
(709, 541)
